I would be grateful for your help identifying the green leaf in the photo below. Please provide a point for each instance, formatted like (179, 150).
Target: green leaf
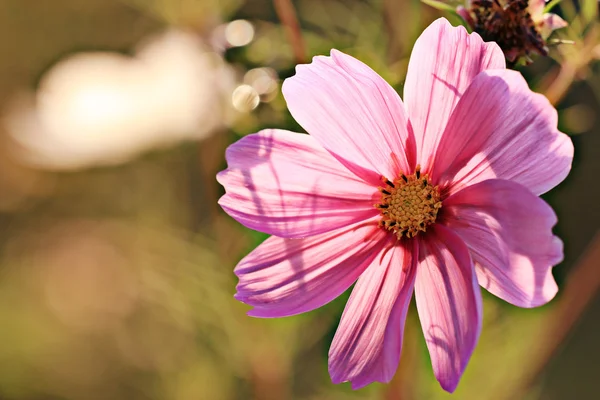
(589, 10)
(440, 5)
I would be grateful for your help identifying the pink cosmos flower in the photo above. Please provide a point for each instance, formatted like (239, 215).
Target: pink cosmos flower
(436, 196)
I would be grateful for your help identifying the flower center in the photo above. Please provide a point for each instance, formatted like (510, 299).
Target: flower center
(409, 204)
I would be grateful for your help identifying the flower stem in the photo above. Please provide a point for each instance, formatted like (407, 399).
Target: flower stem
(551, 5)
(580, 290)
(287, 15)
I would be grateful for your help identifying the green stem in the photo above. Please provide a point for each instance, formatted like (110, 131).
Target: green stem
(551, 5)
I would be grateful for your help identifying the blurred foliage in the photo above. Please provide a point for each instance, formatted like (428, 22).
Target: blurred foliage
(116, 282)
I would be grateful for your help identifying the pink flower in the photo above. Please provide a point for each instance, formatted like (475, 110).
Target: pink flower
(436, 195)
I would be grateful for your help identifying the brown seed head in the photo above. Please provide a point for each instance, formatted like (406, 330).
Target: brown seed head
(508, 23)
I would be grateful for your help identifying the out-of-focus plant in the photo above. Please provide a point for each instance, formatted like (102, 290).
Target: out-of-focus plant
(103, 108)
(580, 54)
(188, 13)
(99, 308)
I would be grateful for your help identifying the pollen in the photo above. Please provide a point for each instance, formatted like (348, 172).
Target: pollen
(409, 204)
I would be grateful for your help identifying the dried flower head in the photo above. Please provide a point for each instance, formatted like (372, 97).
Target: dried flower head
(520, 27)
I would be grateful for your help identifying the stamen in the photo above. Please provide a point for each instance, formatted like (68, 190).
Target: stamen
(409, 204)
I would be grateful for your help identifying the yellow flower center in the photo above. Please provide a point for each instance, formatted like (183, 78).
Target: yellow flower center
(409, 204)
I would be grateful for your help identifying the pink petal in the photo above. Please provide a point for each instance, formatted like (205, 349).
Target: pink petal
(449, 304)
(465, 14)
(536, 9)
(549, 23)
(286, 184)
(353, 113)
(509, 233)
(367, 345)
(501, 129)
(284, 277)
(443, 63)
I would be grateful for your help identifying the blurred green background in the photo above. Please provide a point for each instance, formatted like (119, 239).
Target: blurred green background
(116, 262)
